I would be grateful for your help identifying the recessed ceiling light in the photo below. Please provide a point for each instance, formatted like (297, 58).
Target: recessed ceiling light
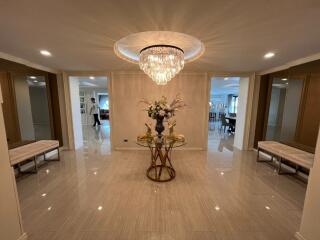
(269, 55)
(33, 77)
(100, 208)
(45, 53)
(267, 207)
(91, 77)
(35, 81)
(43, 194)
(222, 173)
(226, 78)
(284, 79)
(217, 208)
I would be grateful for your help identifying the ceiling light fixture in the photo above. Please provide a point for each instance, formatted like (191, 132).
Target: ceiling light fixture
(91, 77)
(161, 62)
(226, 78)
(160, 54)
(269, 55)
(33, 77)
(35, 81)
(45, 53)
(284, 79)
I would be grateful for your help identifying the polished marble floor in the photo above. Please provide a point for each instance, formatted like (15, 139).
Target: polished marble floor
(221, 193)
(218, 139)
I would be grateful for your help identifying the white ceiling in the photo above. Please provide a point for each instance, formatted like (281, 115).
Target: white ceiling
(97, 82)
(224, 86)
(81, 34)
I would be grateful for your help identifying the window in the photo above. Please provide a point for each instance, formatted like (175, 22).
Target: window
(234, 104)
(104, 101)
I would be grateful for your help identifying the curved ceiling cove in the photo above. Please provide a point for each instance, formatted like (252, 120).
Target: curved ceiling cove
(129, 47)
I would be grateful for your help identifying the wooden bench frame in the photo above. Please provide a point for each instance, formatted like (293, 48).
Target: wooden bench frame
(34, 159)
(282, 152)
(279, 159)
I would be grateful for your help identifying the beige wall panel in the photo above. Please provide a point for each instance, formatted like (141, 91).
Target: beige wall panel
(309, 228)
(10, 219)
(128, 118)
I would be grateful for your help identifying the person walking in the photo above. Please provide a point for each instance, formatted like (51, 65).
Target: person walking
(95, 109)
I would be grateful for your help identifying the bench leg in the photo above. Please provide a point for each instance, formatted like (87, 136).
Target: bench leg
(286, 172)
(35, 164)
(260, 160)
(57, 159)
(19, 168)
(33, 171)
(279, 167)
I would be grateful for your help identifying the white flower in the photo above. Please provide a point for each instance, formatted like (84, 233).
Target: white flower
(162, 113)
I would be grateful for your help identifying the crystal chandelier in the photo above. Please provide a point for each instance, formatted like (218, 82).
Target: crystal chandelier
(161, 62)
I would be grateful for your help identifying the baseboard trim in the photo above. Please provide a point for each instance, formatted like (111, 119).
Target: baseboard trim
(298, 236)
(24, 236)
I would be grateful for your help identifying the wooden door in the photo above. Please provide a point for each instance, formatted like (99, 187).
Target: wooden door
(10, 114)
(308, 123)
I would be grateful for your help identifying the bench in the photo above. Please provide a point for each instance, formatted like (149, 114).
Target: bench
(283, 152)
(31, 151)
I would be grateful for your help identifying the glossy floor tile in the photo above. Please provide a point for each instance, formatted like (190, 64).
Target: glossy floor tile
(221, 193)
(218, 139)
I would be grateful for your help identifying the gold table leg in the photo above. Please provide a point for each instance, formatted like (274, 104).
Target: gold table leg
(164, 159)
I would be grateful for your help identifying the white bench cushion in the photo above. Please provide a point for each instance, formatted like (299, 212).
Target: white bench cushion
(289, 153)
(30, 150)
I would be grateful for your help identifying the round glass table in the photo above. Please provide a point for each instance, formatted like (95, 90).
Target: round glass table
(161, 168)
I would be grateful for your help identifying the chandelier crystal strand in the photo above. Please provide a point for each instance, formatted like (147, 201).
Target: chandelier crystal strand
(161, 63)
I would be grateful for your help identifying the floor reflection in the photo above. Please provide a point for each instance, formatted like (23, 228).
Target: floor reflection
(218, 140)
(98, 137)
(96, 194)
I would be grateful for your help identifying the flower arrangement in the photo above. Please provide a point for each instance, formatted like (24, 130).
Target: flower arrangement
(161, 108)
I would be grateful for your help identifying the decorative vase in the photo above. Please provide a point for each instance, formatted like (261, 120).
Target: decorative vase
(159, 126)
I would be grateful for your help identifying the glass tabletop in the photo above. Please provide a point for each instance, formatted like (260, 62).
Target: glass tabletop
(164, 142)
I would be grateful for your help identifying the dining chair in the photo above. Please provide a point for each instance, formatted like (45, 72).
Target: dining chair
(224, 123)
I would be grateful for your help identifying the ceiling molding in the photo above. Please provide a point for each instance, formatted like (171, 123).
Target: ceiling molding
(290, 64)
(88, 73)
(27, 63)
(230, 74)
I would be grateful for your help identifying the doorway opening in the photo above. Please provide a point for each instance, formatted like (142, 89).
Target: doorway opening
(90, 111)
(223, 110)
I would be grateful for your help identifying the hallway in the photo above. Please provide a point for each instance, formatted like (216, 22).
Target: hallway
(97, 194)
